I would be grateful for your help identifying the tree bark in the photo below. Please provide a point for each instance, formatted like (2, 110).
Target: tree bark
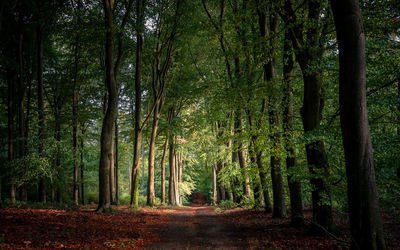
(112, 168)
(172, 175)
(75, 103)
(21, 107)
(11, 78)
(163, 171)
(138, 96)
(308, 55)
(240, 152)
(106, 139)
(41, 187)
(214, 197)
(151, 196)
(116, 163)
(82, 171)
(263, 181)
(296, 200)
(365, 219)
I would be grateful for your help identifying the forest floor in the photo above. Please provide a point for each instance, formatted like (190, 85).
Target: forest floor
(189, 227)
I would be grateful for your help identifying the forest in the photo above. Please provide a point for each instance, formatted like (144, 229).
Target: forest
(144, 121)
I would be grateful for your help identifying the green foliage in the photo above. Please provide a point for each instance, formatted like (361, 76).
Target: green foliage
(227, 204)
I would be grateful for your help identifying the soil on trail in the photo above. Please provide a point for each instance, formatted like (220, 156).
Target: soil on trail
(198, 227)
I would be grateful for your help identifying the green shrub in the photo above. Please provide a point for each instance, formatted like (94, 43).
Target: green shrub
(92, 197)
(228, 204)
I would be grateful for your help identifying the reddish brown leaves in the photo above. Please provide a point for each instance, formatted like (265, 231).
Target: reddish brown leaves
(49, 228)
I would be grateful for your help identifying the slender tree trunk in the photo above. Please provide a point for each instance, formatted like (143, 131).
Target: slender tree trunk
(263, 182)
(138, 96)
(57, 137)
(11, 78)
(163, 171)
(214, 197)
(172, 181)
(41, 188)
(106, 139)
(21, 109)
(75, 103)
(82, 171)
(129, 177)
(176, 182)
(316, 155)
(116, 163)
(240, 152)
(296, 200)
(308, 55)
(279, 208)
(365, 218)
(112, 169)
(151, 196)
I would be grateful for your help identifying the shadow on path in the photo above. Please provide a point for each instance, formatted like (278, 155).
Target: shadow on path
(198, 228)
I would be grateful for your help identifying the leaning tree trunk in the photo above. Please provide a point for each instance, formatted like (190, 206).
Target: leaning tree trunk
(296, 203)
(138, 96)
(106, 139)
(365, 218)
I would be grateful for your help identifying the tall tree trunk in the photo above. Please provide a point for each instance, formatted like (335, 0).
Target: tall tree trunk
(308, 55)
(258, 189)
(163, 171)
(365, 219)
(263, 181)
(75, 103)
(316, 155)
(138, 96)
(21, 108)
(242, 160)
(151, 196)
(172, 175)
(220, 184)
(106, 139)
(57, 137)
(82, 171)
(296, 200)
(116, 163)
(41, 187)
(112, 168)
(11, 78)
(214, 197)
(279, 208)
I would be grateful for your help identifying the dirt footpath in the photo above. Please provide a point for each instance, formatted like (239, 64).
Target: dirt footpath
(198, 228)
